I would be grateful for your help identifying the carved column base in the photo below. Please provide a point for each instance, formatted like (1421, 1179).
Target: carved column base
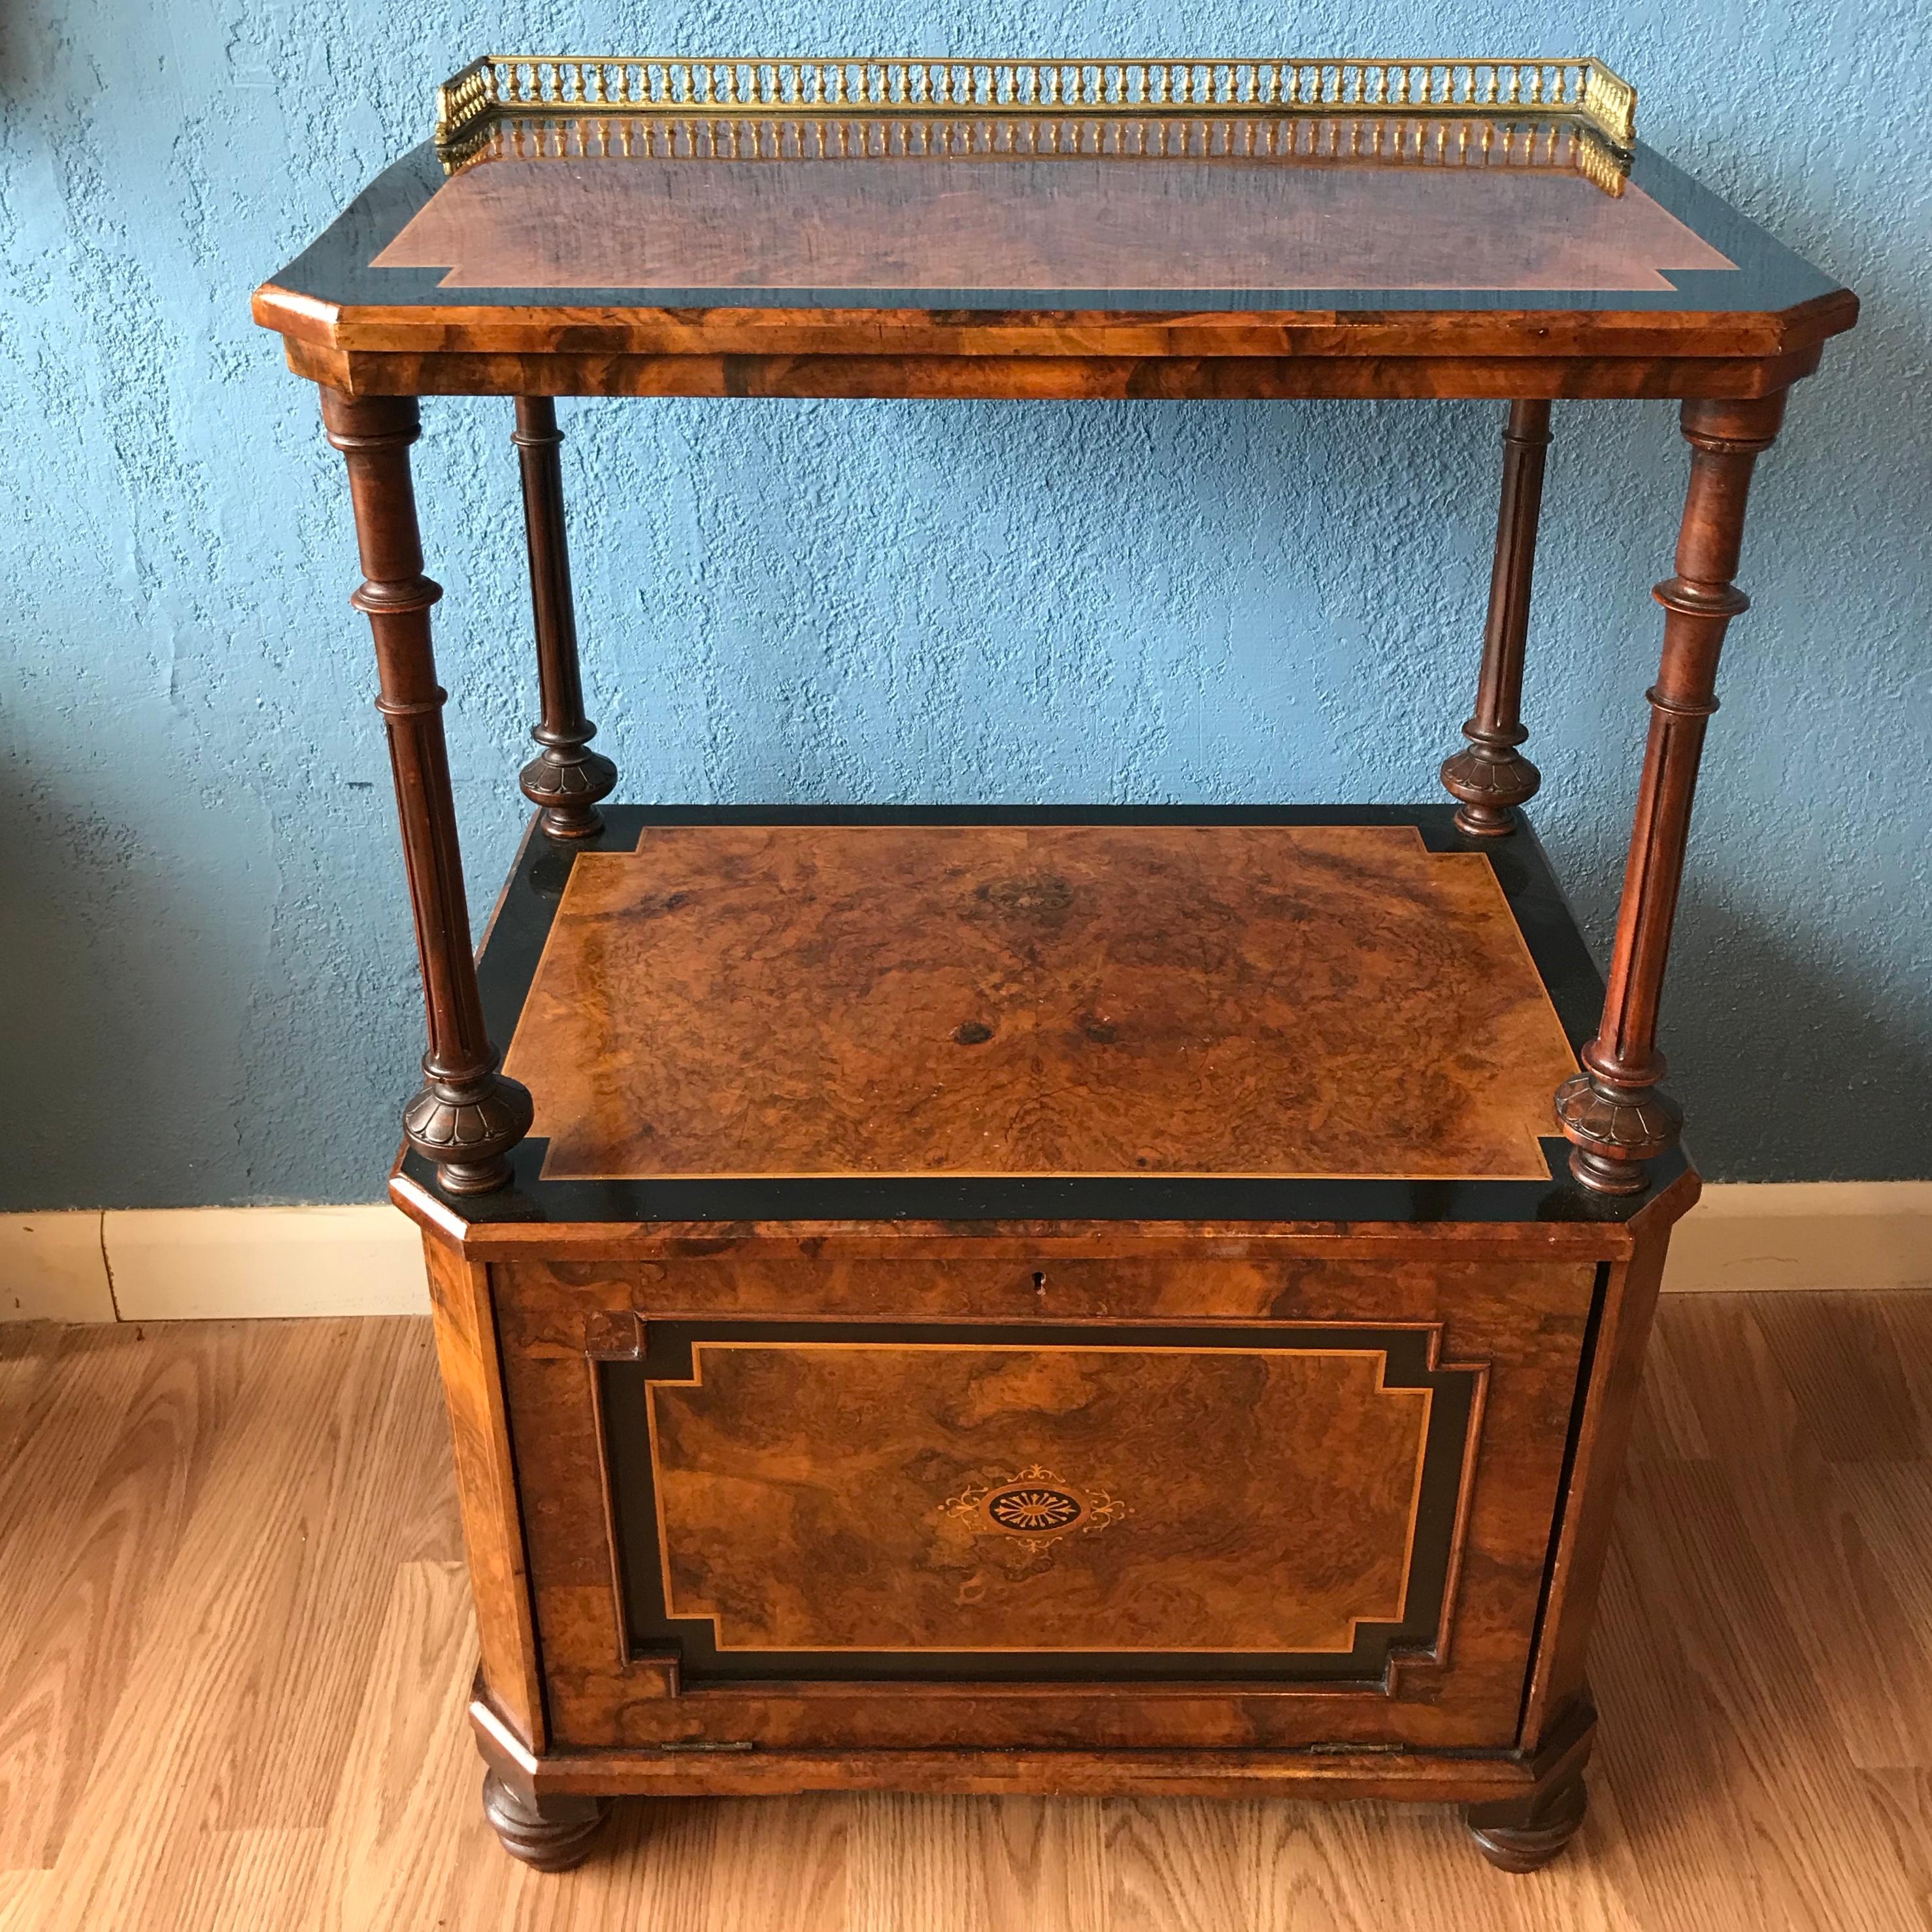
(1490, 780)
(1613, 1129)
(467, 1127)
(1519, 1836)
(565, 787)
(554, 1838)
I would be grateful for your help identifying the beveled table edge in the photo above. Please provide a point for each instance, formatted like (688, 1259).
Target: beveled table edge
(573, 339)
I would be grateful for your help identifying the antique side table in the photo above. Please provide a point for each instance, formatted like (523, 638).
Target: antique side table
(1022, 1299)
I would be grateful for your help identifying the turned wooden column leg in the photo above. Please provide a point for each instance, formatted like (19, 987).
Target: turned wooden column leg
(552, 1834)
(1612, 1111)
(467, 1117)
(565, 780)
(1490, 776)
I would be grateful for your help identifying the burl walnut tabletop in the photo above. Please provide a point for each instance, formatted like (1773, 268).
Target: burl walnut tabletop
(1013, 229)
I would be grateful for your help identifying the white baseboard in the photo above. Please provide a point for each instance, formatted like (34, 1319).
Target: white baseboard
(52, 1269)
(174, 1263)
(1804, 1234)
(178, 1264)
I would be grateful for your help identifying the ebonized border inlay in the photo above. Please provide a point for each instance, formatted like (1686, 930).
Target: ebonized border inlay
(509, 961)
(625, 1386)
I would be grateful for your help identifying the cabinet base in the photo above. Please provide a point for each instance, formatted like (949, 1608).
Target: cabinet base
(1520, 1810)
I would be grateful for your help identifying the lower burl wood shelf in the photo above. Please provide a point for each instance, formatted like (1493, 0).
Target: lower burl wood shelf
(1039, 1299)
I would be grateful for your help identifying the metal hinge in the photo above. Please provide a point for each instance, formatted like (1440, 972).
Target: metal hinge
(704, 1744)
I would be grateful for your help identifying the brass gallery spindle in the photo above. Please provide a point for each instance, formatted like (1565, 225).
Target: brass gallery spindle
(1612, 1111)
(565, 780)
(1491, 777)
(467, 1116)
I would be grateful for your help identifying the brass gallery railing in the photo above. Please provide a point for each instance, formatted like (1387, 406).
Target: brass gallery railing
(1582, 91)
(1532, 143)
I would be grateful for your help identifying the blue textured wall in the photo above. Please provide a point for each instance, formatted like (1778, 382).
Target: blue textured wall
(209, 992)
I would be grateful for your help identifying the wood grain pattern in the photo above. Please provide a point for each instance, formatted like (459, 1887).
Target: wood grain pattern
(456, 356)
(566, 778)
(1616, 1115)
(308, 1457)
(1595, 1478)
(304, 1587)
(1298, 1528)
(1708, 330)
(1524, 1321)
(465, 1116)
(103, 1524)
(577, 1241)
(1719, 331)
(938, 226)
(1584, 338)
(1490, 776)
(1004, 999)
(473, 1385)
(1736, 1786)
(388, 1855)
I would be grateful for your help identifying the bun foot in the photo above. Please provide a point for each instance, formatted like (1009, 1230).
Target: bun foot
(1523, 1836)
(551, 1843)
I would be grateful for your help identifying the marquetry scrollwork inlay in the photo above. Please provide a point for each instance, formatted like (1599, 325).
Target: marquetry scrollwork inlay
(1034, 1504)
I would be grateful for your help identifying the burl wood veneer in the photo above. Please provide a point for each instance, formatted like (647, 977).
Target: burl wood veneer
(1273, 1544)
(944, 1460)
(1042, 1299)
(647, 224)
(1219, 999)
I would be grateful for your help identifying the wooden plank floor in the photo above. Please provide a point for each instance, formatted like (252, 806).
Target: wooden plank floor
(234, 1641)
